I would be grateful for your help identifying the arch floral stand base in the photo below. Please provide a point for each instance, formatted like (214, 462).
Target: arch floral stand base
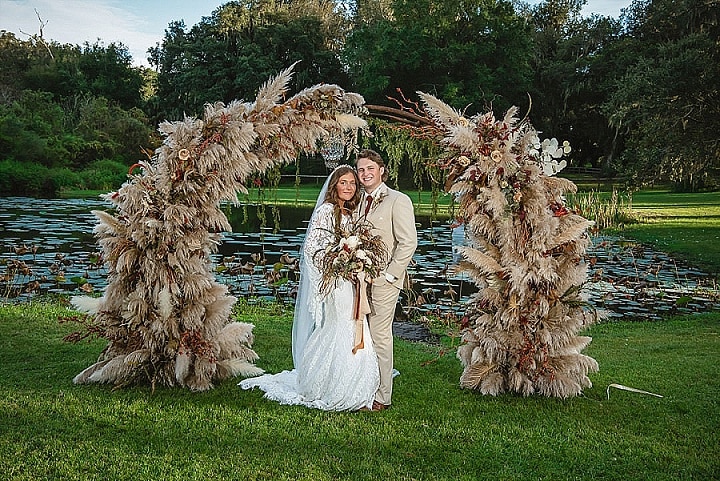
(166, 319)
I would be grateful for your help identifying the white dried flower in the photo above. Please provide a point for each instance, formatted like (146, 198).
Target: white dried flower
(550, 148)
(551, 152)
(353, 241)
(463, 161)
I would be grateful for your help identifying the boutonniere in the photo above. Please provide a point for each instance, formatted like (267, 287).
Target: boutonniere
(378, 199)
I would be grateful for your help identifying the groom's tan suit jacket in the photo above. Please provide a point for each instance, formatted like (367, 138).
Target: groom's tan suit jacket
(393, 219)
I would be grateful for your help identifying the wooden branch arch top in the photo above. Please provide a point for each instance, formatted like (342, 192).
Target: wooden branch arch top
(398, 115)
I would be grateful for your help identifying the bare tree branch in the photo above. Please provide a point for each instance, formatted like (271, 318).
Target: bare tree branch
(39, 37)
(398, 115)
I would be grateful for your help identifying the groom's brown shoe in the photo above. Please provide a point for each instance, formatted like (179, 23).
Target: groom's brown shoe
(376, 406)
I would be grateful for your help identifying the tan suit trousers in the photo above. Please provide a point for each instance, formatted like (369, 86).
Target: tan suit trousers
(384, 299)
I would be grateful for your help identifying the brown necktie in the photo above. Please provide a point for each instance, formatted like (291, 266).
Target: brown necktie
(369, 200)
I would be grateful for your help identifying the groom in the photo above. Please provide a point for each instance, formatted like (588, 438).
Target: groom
(391, 213)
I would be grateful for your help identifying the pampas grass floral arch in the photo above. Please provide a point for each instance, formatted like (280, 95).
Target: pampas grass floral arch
(167, 320)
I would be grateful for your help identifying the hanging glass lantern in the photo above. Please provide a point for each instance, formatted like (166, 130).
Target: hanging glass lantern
(333, 150)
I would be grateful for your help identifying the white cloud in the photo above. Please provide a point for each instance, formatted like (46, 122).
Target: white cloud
(80, 21)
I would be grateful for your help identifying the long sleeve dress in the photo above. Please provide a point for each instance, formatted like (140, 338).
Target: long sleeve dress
(328, 375)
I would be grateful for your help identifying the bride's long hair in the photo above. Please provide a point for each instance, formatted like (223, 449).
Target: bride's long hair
(331, 195)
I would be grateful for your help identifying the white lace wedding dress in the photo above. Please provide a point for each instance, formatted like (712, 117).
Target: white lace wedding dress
(328, 375)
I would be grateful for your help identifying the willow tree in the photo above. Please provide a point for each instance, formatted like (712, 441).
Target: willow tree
(165, 317)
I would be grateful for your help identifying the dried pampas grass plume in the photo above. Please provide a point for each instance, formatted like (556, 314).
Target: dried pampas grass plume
(526, 257)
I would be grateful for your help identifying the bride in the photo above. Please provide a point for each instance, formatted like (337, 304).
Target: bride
(329, 374)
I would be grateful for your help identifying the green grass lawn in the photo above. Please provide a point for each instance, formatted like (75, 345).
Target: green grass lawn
(52, 429)
(307, 195)
(304, 195)
(687, 225)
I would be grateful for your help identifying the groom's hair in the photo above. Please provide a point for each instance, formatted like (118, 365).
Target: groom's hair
(375, 157)
(331, 194)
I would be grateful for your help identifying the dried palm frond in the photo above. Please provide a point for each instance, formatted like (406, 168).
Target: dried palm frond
(233, 340)
(90, 305)
(439, 111)
(86, 373)
(183, 363)
(237, 367)
(272, 90)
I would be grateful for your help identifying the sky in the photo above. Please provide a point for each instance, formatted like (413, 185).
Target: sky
(140, 24)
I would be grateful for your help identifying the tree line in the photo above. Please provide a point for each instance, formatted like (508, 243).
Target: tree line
(636, 96)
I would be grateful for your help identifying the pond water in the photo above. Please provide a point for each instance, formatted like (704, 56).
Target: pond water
(47, 246)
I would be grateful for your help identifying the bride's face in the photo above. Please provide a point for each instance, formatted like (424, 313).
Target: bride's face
(346, 187)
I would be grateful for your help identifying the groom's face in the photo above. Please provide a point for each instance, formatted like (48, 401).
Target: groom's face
(370, 173)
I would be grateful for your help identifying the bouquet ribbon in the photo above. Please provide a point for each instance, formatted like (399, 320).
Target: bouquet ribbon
(361, 308)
